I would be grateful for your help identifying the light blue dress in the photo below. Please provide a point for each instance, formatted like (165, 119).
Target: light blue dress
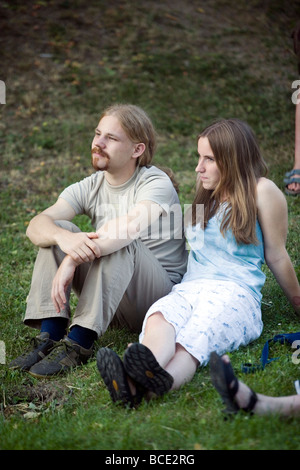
(217, 305)
(213, 256)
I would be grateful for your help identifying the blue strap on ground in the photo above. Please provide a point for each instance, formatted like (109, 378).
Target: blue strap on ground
(264, 360)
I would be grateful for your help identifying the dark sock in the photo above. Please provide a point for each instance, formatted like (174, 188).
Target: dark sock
(56, 327)
(83, 336)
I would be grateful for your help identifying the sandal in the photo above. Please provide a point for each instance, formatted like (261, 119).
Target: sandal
(289, 179)
(113, 373)
(141, 365)
(222, 376)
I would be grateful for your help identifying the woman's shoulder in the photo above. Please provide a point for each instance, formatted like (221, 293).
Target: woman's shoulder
(268, 192)
(265, 184)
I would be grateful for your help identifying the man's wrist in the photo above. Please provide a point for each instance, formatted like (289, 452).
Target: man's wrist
(70, 262)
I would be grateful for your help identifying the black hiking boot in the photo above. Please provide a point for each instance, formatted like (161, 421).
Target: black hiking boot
(141, 365)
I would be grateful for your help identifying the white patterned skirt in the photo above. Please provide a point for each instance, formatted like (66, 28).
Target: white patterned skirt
(210, 316)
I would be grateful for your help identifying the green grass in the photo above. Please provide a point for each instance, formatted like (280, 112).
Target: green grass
(186, 67)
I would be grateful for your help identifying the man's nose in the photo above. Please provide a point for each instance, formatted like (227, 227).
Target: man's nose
(99, 141)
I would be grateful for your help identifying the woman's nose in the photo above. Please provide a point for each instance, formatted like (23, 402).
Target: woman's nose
(199, 168)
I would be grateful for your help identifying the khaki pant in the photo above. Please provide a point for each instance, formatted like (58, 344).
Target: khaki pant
(119, 287)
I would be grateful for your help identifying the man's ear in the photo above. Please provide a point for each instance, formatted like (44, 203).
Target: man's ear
(139, 150)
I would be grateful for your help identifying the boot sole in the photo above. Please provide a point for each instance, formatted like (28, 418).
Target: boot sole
(141, 365)
(113, 373)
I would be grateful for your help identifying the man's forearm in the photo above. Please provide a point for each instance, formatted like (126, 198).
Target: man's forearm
(42, 231)
(120, 232)
(116, 234)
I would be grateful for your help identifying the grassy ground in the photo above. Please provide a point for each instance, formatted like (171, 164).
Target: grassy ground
(186, 63)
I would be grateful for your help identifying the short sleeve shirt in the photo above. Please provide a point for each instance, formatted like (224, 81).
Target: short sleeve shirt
(101, 202)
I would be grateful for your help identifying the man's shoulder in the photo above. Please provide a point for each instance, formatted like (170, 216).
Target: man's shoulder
(152, 171)
(155, 184)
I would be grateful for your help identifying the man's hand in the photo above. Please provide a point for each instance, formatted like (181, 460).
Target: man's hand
(80, 246)
(61, 281)
(43, 232)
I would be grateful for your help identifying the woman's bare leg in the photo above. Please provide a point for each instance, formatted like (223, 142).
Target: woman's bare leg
(159, 337)
(182, 367)
(285, 406)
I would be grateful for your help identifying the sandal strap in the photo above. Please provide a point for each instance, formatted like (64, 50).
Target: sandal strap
(235, 387)
(224, 381)
(291, 180)
(292, 172)
(252, 402)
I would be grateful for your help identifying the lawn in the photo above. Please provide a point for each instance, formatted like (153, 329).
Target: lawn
(186, 63)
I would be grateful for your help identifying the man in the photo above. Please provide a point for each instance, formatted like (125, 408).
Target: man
(134, 257)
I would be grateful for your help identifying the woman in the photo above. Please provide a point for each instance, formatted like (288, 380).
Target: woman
(217, 306)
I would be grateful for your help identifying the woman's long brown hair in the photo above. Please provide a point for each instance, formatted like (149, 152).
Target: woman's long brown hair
(240, 162)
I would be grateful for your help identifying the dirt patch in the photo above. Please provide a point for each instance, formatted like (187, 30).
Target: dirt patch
(32, 400)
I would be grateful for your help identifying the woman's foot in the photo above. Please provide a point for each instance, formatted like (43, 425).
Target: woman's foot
(142, 366)
(120, 386)
(238, 396)
(292, 182)
(235, 394)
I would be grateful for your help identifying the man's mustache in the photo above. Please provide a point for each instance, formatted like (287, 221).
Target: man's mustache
(99, 152)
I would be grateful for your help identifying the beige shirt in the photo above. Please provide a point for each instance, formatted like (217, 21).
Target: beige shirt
(101, 202)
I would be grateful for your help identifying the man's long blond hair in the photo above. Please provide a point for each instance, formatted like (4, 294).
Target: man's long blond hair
(139, 128)
(240, 163)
